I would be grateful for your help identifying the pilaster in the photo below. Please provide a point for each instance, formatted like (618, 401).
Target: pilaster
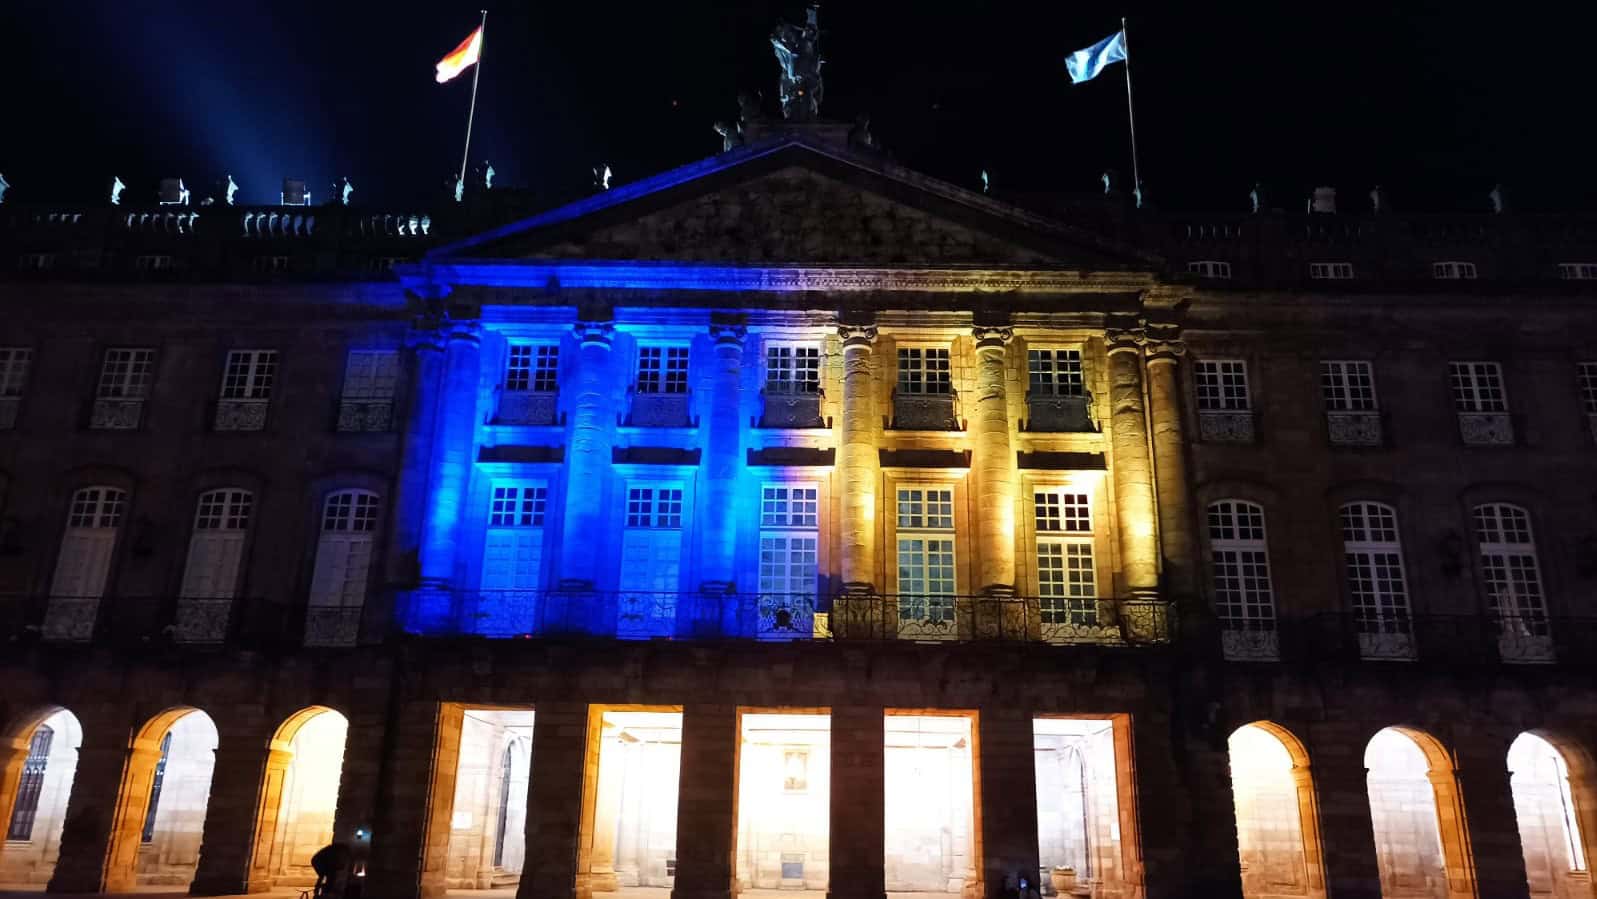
(1176, 537)
(565, 771)
(857, 842)
(1008, 783)
(860, 612)
(994, 461)
(105, 815)
(722, 466)
(707, 802)
(409, 851)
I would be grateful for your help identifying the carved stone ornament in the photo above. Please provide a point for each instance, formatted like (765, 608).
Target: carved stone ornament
(992, 335)
(595, 332)
(728, 333)
(855, 335)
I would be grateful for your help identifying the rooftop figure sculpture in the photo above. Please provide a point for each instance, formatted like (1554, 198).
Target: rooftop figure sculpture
(116, 190)
(346, 191)
(232, 189)
(798, 53)
(4, 184)
(731, 134)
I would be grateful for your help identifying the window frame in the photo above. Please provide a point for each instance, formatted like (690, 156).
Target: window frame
(135, 377)
(1454, 270)
(1214, 269)
(16, 367)
(1217, 386)
(1577, 271)
(1492, 577)
(1387, 600)
(520, 511)
(375, 393)
(1474, 402)
(539, 374)
(1240, 546)
(653, 519)
(930, 605)
(915, 358)
(669, 377)
(1586, 383)
(1348, 370)
(1058, 381)
(250, 390)
(1331, 271)
(1076, 540)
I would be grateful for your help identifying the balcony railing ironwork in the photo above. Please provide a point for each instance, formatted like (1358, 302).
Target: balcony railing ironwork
(1445, 640)
(167, 621)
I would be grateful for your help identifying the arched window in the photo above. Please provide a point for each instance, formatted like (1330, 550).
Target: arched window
(83, 567)
(343, 563)
(1544, 808)
(1243, 596)
(31, 784)
(1513, 582)
(216, 548)
(1372, 554)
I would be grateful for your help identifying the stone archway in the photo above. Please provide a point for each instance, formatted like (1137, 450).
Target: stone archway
(38, 763)
(1278, 831)
(1421, 836)
(298, 797)
(1552, 785)
(160, 811)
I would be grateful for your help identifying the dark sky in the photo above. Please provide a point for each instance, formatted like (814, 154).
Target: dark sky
(1434, 100)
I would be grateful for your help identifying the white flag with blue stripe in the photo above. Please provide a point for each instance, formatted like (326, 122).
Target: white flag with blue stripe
(1085, 65)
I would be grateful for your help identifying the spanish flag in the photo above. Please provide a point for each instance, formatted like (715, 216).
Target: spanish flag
(461, 58)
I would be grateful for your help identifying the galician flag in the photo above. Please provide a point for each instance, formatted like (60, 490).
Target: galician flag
(1084, 65)
(461, 58)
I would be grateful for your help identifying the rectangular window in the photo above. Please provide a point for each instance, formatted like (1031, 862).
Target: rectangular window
(923, 370)
(125, 374)
(15, 363)
(1066, 578)
(249, 374)
(518, 507)
(534, 369)
(1578, 271)
(662, 369)
(1586, 375)
(925, 556)
(788, 506)
(1477, 386)
(792, 368)
(1347, 385)
(1210, 268)
(1331, 271)
(371, 375)
(1056, 372)
(654, 507)
(1222, 385)
(926, 508)
(1453, 271)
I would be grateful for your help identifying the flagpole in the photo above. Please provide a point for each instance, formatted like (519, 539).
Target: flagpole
(1131, 113)
(475, 75)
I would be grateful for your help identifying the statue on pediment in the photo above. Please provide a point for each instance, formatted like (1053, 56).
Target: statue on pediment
(798, 53)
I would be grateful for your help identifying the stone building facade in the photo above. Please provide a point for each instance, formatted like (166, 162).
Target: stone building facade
(795, 521)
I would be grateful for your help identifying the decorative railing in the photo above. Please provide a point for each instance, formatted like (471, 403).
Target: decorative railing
(114, 414)
(1445, 640)
(1486, 428)
(1046, 412)
(660, 410)
(791, 410)
(1225, 425)
(157, 622)
(1353, 428)
(527, 407)
(241, 415)
(925, 411)
(365, 416)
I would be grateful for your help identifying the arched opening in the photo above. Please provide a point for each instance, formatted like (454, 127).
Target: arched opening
(179, 791)
(1557, 862)
(1415, 813)
(40, 760)
(930, 838)
(299, 794)
(1277, 826)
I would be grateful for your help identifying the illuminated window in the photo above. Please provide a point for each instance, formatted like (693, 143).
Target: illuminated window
(1372, 554)
(923, 370)
(371, 375)
(518, 507)
(1056, 372)
(785, 505)
(1509, 568)
(15, 363)
(1210, 268)
(249, 374)
(84, 565)
(1347, 386)
(792, 368)
(1066, 579)
(147, 834)
(125, 374)
(926, 555)
(350, 510)
(654, 507)
(216, 547)
(662, 369)
(1222, 385)
(1586, 377)
(1453, 271)
(1331, 271)
(1578, 271)
(31, 785)
(534, 369)
(1477, 386)
(1244, 597)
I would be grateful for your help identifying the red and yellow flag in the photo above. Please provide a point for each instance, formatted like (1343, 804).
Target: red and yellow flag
(461, 58)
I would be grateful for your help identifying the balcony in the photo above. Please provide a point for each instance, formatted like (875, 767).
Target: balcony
(1350, 428)
(1486, 428)
(925, 411)
(660, 410)
(527, 407)
(365, 416)
(1225, 425)
(241, 415)
(781, 409)
(1059, 414)
(113, 414)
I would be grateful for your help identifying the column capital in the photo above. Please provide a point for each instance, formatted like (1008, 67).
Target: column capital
(1163, 342)
(725, 334)
(597, 333)
(449, 331)
(1125, 337)
(992, 336)
(856, 334)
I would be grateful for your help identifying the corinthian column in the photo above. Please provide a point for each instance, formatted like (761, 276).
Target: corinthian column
(721, 458)
(1128, 424)
(1169, 458)
(454, 451)
(588, 465)
(858, 463)
(995, 463)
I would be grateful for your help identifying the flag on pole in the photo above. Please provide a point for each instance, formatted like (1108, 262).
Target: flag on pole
(1085, 65)
(461, 58)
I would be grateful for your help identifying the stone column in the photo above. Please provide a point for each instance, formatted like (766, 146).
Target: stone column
(454, 453)
(410, 844)
(859, 613)
(1176, 537)
(360, 781)
(1133, 473)
(105, 814)
(1008, 783)
(1478, 807)
(707, 802)
(241, 818)
(421, 611)
(606, 817)
(995, 463)
(588, 461)
(1347, 835)
(857, 842)
(565, 768)
(712, 614)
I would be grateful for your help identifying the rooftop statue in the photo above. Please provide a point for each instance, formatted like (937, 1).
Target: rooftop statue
(487, 175)
(346, 191)
(232, 189)
(116, 190)
(1256, 197)
(731, 134)
(798, 53)
(4, 184)
(1496, 197)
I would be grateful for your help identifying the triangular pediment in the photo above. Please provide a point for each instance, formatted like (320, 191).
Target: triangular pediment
(794, 203)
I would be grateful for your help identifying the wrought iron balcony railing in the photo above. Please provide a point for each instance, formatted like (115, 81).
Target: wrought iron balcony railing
(181, 621)
(1447, 640)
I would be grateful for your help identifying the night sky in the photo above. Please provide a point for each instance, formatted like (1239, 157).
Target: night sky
(1436, 102)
